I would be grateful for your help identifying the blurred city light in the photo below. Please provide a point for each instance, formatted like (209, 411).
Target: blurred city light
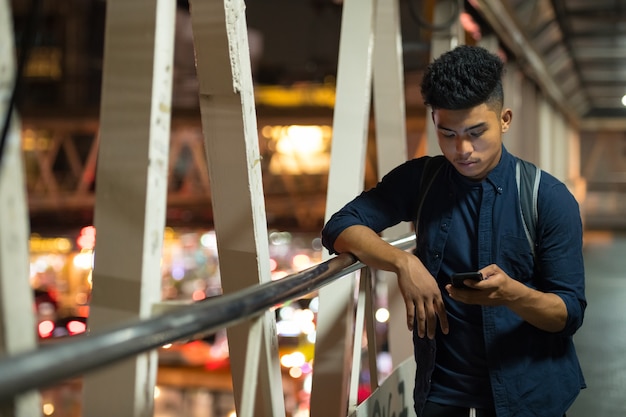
(47, 409)
(46, 328)
(76, 327)
(382, 315)
(84, 260)
(87, 238)
(299, 149)
(301, 261)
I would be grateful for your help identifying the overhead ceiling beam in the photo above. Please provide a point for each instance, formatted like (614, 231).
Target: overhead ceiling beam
(599, 52)
(610, 13)
(502, 20)
(601, 32)
(603, 124)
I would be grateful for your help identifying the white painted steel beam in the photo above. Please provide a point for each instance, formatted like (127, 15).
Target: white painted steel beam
(231, 138)
(441, 42)
(391, 148)
(329, 396)
(131, 193)
(18, 331)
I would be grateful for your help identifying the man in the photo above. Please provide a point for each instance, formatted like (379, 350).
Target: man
(504, 346)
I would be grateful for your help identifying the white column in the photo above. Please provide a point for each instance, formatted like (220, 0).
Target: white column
(390, 117)
(576, 183)
(527, 121)
(329, 396)
(18, 331)
(573, 157)
(233, 157)
(514, 139)
(546, 130)
(560, 148)
(131, 193)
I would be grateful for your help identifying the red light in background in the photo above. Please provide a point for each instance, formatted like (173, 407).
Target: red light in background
(76, 327)
(46, 328)
(87, 238)
(198, 295)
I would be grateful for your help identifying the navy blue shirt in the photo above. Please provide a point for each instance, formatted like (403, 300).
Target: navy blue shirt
(520, 369)
(460, 376)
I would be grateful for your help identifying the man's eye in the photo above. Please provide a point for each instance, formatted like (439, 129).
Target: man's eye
(447, 134)
(477, 134)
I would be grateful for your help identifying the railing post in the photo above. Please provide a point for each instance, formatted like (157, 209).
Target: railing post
(251, 370)
(364, 322)
(357, 345)
(391, 394)
(16, 296)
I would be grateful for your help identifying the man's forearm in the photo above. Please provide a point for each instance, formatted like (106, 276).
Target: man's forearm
(371, 249)
(543, 310)
(422, 296)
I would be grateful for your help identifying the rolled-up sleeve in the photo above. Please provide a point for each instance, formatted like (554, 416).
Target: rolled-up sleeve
(390, 202)
(561, 266)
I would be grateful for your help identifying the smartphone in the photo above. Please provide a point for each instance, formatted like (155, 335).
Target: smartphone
(458, 278)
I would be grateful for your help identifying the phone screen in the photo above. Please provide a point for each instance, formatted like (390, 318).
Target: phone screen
(458, 278)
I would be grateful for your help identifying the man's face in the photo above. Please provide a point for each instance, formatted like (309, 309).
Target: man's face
(472, 139)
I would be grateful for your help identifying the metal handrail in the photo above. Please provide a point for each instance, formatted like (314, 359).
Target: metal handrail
(81, 354)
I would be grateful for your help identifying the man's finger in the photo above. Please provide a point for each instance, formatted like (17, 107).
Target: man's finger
(431, 320)
(443, 316)
(421, 319)
(410, 315)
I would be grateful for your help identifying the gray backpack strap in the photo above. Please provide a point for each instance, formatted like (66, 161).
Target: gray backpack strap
(527, 177)
(432, 166)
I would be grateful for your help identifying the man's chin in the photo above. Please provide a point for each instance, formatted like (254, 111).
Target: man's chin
(471, 171)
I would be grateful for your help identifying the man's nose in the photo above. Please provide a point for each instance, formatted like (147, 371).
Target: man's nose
(463, 146)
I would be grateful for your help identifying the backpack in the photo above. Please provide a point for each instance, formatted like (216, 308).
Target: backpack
(527, 178)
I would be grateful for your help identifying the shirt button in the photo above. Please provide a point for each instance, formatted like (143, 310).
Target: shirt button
(444, 226)
(437, 255)
(499, 189)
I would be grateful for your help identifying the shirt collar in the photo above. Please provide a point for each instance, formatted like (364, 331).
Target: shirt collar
(497, 177)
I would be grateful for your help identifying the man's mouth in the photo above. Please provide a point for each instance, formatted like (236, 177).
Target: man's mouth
(466, 163)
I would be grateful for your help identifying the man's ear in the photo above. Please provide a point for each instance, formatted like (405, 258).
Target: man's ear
(505, 119)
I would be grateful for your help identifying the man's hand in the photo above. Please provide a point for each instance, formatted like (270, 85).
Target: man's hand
(497, 288)
(422, 298)
(546, 311)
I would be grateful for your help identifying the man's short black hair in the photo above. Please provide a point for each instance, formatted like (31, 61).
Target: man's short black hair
(462, 78)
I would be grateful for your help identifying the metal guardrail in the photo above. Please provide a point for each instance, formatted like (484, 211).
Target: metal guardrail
(81, 354)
